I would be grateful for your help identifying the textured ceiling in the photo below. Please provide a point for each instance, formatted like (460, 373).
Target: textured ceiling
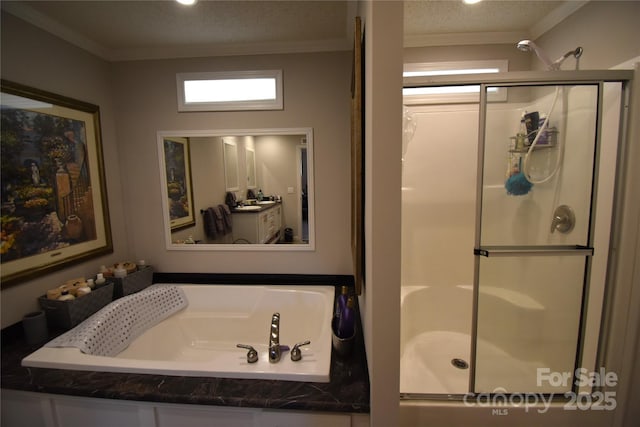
(121, 30)
(123, 24)
(433, 17)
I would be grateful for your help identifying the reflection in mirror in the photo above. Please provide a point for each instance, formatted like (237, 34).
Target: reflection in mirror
(230, 165)
(262, 203)
(251, 168)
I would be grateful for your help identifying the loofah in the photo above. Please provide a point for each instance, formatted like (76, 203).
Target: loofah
(517, 185)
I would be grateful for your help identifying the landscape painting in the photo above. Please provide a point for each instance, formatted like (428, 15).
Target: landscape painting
(54, 209)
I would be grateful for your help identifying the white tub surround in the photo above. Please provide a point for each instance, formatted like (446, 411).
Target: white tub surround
(201, 339)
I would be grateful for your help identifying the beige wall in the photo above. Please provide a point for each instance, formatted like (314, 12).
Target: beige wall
(139, 99)
(518, 61)
(37, 59)
(316, 95)
(608, 31)
(380, 300)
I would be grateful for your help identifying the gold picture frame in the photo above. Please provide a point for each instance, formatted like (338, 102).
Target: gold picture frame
(357, 159)
(54, 197)
(177, 169)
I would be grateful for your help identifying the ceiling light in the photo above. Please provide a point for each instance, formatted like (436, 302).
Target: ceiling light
(471, 1)
(187, 2)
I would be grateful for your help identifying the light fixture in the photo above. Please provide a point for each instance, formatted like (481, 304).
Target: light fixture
(471, 1)
(187, 2)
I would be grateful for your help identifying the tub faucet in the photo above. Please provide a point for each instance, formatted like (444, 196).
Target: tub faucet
(274, 339)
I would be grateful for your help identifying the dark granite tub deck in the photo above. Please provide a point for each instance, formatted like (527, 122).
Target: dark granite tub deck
(347, 391)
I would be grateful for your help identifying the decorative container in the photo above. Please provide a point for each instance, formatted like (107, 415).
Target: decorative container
(133, 282)
(65, 315)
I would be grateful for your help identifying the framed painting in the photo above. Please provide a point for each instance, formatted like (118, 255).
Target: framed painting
(54, 197)
(177, 169)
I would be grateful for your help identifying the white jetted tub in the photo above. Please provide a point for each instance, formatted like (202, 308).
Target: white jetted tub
(201, 339)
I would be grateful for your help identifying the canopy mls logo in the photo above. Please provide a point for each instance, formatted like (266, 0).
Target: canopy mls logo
(500, 401)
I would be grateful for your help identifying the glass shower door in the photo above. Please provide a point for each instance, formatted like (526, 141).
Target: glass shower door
(537, 170)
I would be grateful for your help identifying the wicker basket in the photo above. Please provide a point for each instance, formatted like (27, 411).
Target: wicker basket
(67, 314)
(133, 282)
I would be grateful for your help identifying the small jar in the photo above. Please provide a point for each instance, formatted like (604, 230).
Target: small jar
(54, 294)
(100, 280)
(66, 296)
(120, 271)
(91, 284)
(84, 290)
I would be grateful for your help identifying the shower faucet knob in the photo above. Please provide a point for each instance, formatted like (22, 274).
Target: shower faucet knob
(252, 355)
(563, 219)
(296, 354)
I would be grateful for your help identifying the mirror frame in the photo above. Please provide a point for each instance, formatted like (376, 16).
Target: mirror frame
(307, 132)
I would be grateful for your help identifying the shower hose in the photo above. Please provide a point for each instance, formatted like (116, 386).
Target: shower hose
(525, 167)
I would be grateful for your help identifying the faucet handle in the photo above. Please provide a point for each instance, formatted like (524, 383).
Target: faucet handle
(252, 355)
(563, 219)
(296, 354)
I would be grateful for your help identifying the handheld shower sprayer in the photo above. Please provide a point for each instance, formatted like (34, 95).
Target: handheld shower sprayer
(528, 46)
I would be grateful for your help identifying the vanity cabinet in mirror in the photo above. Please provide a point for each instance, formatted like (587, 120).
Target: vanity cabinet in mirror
(252, 189)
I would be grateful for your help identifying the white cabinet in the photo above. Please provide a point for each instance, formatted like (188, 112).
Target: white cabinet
(258, 227)
(31, 409)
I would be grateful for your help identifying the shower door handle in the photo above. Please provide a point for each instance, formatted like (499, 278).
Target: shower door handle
(507, 251)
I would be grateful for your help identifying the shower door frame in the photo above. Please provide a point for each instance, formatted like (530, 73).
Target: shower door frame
(540, 78)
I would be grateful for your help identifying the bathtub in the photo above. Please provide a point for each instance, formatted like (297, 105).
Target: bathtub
(201, 339)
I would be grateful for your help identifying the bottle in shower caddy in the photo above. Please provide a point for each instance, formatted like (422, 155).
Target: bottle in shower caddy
(521, 137)
(544, 131)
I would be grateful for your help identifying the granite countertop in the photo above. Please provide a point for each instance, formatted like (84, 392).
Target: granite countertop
(347, 391)
(255, 208)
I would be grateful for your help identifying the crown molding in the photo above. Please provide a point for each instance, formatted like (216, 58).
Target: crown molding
(556, 16)
(458, 39)
(25, 12)
(230, 49)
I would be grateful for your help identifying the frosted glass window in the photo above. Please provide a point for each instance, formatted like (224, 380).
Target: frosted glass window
(223, 91)
(423, 95)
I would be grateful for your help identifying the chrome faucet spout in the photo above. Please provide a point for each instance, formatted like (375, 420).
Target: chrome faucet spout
(274, 339)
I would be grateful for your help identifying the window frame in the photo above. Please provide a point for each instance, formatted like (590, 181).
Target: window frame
(248, 105)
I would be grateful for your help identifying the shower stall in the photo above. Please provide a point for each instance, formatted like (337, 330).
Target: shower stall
(503, 289)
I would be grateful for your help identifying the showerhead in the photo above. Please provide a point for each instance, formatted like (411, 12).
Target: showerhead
(524, 45)
(576, 53)
(528, 46)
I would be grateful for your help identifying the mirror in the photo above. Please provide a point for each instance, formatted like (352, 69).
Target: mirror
(248, 189)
